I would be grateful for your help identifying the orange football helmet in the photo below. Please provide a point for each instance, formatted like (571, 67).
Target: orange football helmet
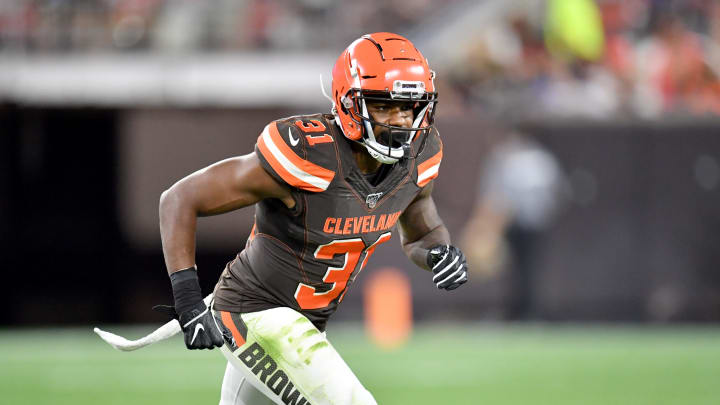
(385, 67)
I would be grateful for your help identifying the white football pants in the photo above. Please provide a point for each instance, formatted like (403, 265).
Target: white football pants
(285, 360)
(236, 390)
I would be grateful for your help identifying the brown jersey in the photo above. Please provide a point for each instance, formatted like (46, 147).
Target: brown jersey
(305, 258)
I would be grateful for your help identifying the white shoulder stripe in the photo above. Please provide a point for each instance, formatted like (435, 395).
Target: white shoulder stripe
(290, 166)
(429, 172)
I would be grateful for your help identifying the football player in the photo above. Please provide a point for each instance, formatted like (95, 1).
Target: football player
(328, 190)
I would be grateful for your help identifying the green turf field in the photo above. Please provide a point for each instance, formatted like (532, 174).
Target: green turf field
(483, 364)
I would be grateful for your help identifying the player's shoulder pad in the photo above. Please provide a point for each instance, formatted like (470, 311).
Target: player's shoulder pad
(299, 151)
(428, 161)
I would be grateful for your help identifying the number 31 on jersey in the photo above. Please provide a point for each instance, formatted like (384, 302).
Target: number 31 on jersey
(308, 298)
(314, 126)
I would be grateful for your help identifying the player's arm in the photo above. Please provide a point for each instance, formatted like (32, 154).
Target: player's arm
(221, 187)
(421, 228)
(426, 241)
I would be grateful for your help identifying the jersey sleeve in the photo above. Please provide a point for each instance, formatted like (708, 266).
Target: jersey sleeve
(428, 163)
(284, 153)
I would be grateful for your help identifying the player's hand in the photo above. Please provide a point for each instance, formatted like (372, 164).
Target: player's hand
(448, 265)
(200, 329)
(196, 320)
(198, 326)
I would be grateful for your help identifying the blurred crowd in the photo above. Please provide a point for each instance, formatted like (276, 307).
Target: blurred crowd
(597, 59)
(567, 58)
(200, 25)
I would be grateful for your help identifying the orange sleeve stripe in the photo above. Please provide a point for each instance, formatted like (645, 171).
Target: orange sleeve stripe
(430, 162)
(228, 322)
(429, 169)
(302, 164)
(280, 170)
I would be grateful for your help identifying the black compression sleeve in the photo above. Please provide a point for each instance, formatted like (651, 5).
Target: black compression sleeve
(186, 289)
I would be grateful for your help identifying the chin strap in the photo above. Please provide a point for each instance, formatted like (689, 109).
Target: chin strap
(372, 145)
(418, 120)
(385, 159)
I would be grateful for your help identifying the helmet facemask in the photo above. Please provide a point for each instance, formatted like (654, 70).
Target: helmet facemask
(392, 142)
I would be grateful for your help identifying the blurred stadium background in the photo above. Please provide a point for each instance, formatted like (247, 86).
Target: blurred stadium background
(581, 177)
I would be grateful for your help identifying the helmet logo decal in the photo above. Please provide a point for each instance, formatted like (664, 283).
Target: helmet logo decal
(372, 199)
